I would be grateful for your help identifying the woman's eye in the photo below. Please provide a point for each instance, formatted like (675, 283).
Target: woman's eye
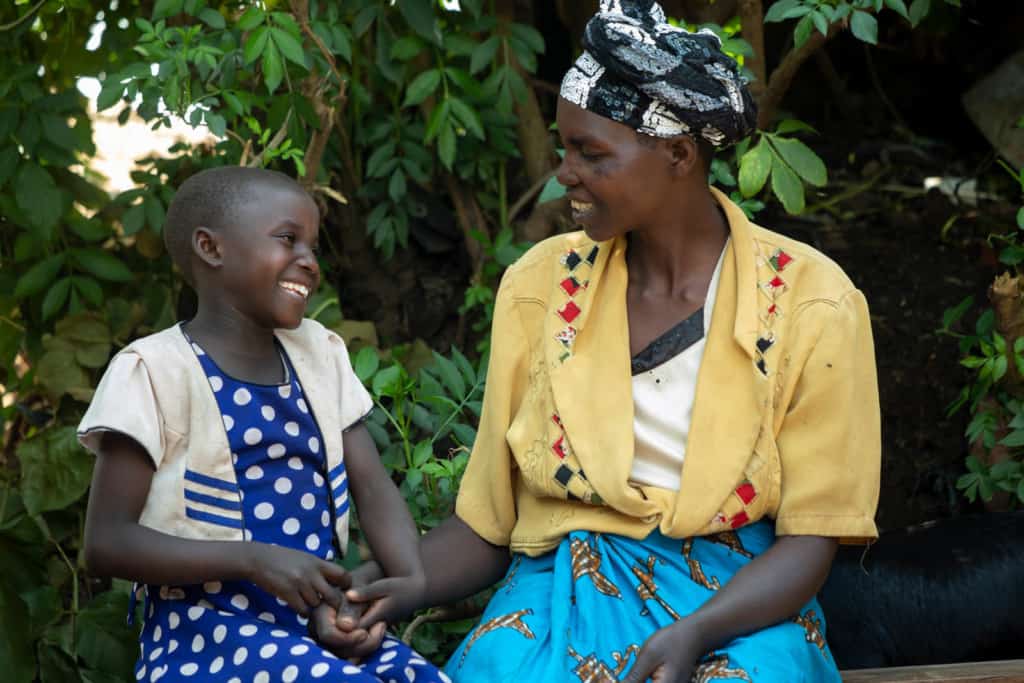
(288, 238)
(589, 154)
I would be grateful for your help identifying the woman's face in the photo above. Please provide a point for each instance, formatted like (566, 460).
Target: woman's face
(616, 180)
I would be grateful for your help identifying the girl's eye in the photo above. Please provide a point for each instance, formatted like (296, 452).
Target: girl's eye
(288, 237)
(590, 155)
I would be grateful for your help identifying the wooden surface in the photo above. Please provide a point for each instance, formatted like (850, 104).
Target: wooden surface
(1010, 671)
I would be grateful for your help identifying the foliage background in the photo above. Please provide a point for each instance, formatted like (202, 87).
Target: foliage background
(424, 135)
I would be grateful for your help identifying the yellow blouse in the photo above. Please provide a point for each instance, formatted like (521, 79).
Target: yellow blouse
(785, 420)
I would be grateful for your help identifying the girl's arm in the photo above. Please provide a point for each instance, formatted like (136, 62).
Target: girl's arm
(383, 514)
(117, 545)
(771, 588)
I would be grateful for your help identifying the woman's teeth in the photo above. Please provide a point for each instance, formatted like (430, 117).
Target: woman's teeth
(580, 207)
(301, 290)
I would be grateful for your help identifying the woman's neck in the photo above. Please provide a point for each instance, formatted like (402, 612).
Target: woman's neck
(681, 254)
(241, 348)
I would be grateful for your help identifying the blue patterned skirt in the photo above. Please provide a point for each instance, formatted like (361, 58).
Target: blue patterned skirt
(582, 612)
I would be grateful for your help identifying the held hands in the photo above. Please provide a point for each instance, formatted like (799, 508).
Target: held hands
(338, 630)
(668, 656)
(300, 579)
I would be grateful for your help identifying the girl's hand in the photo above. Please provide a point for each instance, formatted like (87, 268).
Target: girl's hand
(300, 579)
(392, 598)
(668, 656)
(337, 630)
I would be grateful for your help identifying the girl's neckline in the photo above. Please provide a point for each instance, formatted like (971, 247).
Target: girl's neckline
(199, 351)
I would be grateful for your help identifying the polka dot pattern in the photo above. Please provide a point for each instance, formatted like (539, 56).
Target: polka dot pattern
(233, 631)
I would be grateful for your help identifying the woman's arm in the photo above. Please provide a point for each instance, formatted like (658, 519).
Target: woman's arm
(457, 563)
(117, 545)
(771, 588)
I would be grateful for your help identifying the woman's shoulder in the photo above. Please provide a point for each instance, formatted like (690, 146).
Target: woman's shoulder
(549, 255)
(808, 272)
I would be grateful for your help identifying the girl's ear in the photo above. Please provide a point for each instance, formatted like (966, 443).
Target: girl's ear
(206, 246)
(685, 154)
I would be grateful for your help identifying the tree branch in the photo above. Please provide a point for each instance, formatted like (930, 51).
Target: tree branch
(752, 22)
(782, 76)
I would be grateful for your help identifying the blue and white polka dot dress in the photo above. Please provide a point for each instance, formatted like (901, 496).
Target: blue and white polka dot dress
(234, 631)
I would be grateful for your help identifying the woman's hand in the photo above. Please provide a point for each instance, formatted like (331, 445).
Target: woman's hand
(668, 656)
(302, 580)
(390, 599)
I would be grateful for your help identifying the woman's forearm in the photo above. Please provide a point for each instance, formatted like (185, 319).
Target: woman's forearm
(458, 563)
(771, 588)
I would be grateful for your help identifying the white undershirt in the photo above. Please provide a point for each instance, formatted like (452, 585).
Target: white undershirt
(663, 405)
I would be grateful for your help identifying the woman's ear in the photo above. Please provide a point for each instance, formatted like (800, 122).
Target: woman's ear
(685, 154)
(206, 246)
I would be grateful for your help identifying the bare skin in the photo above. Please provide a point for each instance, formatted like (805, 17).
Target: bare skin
(656, 192)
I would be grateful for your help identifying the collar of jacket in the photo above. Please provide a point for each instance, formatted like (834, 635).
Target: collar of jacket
(592, 386)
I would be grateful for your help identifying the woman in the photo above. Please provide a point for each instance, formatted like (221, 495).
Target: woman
(681, 415)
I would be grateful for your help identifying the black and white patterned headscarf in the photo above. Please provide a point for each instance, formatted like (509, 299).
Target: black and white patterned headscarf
(661, 80)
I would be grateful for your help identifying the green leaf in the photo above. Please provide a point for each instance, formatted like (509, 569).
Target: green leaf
(865, 27)
(552, 190)
(37, 195)
(778, 10)
(290, 47)
(38, 277)
(801, 159)
(953, 314)
(446, 145)
(787, 186)
(467, 116)
(167, 8)
(420, 17)
(406, 48)
(255, 44)
(919, 10)
(787, 126)
(421, 87)
(899, 7)
(803, 30)
(55, 469)
(88, 288)
(465, 434)
(56, 297)
(154, 213)
(1020, 217)
(17, 650)
(528, 35)
(397, 186)
(820, 22)
(754, 168)
(252, 18)
(423, 452)
(9, 158)
(133, 219)
(388, 382)
(483, 54)
(366, 363)
(103, 640)
(273, 68)
(57, 131)
(438, 117)
(102, 264)
(212, 18)
(450, 376)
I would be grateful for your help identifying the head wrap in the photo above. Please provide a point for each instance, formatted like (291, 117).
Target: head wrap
(661, 80)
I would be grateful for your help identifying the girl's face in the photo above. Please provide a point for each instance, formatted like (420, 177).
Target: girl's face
(269, 267)
(616, 181)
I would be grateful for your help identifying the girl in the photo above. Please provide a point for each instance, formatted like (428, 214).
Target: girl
(681, 415)
(229, 448)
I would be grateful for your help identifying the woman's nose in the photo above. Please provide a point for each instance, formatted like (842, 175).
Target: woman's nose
(565, 173)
